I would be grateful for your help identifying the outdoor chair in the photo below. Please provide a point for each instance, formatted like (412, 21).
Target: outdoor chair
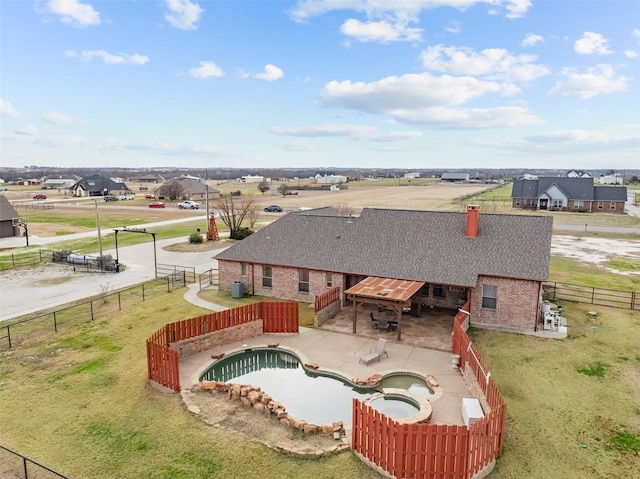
(376, 352)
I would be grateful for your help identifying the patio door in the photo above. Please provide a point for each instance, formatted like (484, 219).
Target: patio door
(544, 203)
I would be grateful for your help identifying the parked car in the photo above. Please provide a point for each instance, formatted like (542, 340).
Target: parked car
(188, 204)
(156, 204)
(128, 197)
(39, 197)
(110, 198)
(150, 196)
(273, 209)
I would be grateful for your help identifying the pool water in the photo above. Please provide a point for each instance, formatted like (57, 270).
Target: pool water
(318, 398)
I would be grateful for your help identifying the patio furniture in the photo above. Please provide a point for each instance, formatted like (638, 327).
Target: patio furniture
(376, 352)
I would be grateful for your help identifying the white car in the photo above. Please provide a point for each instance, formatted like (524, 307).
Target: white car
(188, 204)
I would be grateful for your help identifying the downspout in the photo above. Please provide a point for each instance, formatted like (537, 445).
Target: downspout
(535, 324)
(253, 279)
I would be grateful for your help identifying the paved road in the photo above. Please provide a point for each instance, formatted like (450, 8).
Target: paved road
(28, 291)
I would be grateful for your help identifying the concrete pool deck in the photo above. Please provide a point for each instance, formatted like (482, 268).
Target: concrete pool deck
(342, 352)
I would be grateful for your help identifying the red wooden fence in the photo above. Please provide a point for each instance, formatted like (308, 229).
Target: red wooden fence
(162, 361)
(325, 299)
(430, 450)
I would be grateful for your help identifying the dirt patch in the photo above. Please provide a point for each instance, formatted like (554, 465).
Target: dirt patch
(220, 411)
(597, 251)
(187, 247)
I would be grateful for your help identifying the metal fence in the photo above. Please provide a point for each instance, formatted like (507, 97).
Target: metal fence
(588, 294)
(35, 328)
(209, 279)
(24, 260)
(183, 273)
(16, 466)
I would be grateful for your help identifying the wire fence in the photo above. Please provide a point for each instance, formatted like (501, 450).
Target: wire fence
(15, 465)
(25, 260)
(32, 329)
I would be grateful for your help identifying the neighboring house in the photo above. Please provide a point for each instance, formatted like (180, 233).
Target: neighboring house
(196, 189)
(330, 179)
(8, 219)
(455, 177)
(151, 178)
(412, 176)
(449, 257)
(614, 179)
(30, 182)
(252, 179)
(98, 185)
(59, 183)
(578, 174)
(567, 194)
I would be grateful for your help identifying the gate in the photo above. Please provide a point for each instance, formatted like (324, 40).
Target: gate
(209, 279)
(184, 274)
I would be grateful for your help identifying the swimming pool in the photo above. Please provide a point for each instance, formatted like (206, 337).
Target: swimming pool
(318, 397)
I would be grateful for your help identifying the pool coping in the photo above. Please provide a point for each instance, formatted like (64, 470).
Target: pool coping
(423, 404)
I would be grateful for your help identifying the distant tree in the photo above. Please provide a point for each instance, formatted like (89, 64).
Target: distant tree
(172, 190)
(263, 186)
(233, 210)
(283, 189)
(343, 209)
(253, 214)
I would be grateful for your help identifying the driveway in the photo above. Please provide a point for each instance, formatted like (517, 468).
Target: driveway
(27, 291)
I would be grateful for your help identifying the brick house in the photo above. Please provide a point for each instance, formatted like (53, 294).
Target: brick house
(567, 194)
(98, 185)
(498, 262)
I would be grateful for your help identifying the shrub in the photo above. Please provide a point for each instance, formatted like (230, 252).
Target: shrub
(195, 238)
(241, 233)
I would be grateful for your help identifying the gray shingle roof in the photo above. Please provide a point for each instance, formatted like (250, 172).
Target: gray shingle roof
(574, 188)
(7, 211)
(403, 244)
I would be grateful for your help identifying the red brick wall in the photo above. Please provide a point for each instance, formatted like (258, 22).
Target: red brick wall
(516, 306)
(284, 281)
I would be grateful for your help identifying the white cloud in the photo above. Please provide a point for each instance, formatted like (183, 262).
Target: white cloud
(206, 70)
(271, 73)
(382, 31)
(597, 80)
(298, 146)
(7, 109)
(592, 43)
(183, 14)
(630, 53)
(424, 99)
(357, 132)
(495, 63)
(531, 39)
(108, 58)
(636, 34)
(27, 130)
(57, 118)
(72, 12)
(307, 9)
(453, 27)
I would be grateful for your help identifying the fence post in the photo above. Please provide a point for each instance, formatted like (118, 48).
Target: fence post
(168, 284)
(55, 323)
(593, 295)
(13, 261)
(142, 291)
(91, 306)
(119, 302)
(24, 464)
(9, 336)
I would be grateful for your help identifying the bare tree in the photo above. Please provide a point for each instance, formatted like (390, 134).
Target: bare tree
(263, 186)
(253, 214)
(283, 189)
(233, 210)
(343, 209)
(172, 190)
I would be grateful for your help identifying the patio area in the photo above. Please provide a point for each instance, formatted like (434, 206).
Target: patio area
(431, 330)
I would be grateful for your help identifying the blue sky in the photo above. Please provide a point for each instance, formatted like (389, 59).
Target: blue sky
(315, 83)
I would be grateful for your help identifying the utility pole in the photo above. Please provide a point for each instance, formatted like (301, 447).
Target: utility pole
(98, 225)
(206, 193)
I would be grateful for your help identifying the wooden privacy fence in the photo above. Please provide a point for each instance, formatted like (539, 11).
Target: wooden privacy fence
(586, 294)
(325, 299)
(162, 361)
(433, 450)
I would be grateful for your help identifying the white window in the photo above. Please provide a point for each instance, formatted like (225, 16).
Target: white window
(303, 280)
(613, 205)
(489, 296)
(578, 205)
(243, 269)
(267, 279)
(329, 278)
(439, 291)
(557, 203)
(600, 205)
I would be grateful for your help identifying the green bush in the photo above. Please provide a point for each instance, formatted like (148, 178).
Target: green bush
(195, 238)
(241, 233)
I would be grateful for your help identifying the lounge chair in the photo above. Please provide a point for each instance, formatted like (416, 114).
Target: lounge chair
(376, 352)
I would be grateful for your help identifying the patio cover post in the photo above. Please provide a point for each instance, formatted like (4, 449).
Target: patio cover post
(355, 314)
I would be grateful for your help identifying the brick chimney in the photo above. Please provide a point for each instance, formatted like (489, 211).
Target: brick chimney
(473, 214)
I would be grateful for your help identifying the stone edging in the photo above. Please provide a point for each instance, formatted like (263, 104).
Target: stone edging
(187, 399)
